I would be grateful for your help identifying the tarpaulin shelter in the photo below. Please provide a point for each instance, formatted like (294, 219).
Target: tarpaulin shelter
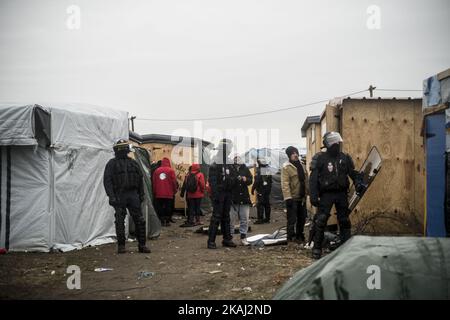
(436, 132)
(373, 268)
(52, 160)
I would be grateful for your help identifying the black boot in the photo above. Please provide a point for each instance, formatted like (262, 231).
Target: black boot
(212, 232)
(212, 245)
(144, 249)
(229, 243)
(316, 253)
(121, 248)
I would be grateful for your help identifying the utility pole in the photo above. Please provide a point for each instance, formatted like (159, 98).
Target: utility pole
(371, 88)
(132, 123)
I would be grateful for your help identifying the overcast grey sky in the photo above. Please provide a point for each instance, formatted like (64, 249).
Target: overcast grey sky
(205, 58)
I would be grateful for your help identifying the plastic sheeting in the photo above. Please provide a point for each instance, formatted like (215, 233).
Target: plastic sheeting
(390, 268)
(16, 125)
(57, 199)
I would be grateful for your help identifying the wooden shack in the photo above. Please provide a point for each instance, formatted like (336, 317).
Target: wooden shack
(182, 152)
(394, 203)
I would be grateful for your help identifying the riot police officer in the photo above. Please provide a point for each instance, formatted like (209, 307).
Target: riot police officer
(124, 186)
(329, 186)
(222, 179)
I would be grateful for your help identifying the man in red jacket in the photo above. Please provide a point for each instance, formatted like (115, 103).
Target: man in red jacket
(165, 186)
(194, 187)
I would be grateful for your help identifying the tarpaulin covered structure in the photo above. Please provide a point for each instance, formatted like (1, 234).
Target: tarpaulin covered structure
(52, 160)
(388, 268)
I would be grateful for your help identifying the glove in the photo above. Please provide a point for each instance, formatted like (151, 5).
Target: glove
(289, 203)
(314, 201)
(360, 188)
(113, 201)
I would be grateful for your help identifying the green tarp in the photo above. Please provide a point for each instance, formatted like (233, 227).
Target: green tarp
(376, 268)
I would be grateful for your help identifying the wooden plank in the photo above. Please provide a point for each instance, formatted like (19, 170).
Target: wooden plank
(419, 166)
(389, 125)
(435, 109)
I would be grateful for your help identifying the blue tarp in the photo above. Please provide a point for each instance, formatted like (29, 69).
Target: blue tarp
(435, 163)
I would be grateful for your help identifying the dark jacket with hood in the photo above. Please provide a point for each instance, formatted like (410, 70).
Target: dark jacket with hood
(201, 185)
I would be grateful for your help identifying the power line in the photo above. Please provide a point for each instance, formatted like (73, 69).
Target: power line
(269, 111)
(251, 114)
(398, 90)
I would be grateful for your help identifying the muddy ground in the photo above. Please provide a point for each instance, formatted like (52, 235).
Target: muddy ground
(182, 265)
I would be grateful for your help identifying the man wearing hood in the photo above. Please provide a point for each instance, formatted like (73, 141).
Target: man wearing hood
(165, 186)
(194, 189)
(124, 186)
(329, 186)
(222, 179)
(294, 185)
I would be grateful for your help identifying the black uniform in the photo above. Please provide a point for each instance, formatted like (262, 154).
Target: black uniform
(124, 187)
(329, 182)
(222, 179)
(263, 187)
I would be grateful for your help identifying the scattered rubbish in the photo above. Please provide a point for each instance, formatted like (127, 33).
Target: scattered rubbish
(145, 274)
(242, 268)
(215, 271)
(207, 290)
(128, 297)
(177, 247)
(103, 269)
(147, 257)
(247, 289)
(219, 264)
(236, 289)
(53, 272)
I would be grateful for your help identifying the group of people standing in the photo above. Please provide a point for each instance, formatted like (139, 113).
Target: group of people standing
(228, 186)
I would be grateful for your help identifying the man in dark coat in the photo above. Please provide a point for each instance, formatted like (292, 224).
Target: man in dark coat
(123, 182)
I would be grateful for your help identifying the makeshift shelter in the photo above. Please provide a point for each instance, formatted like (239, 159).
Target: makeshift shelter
(436, 131)
(374, 268)
(394, 203)
(182, 152)
(52, 160)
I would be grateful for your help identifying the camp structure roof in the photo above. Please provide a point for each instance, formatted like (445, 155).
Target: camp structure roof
(309, 120)
(402, 268)
(167, 139)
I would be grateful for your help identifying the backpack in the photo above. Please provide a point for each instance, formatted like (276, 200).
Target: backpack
(191, 183)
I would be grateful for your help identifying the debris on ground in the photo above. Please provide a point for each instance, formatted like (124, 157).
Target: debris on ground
(215, 271)
(103, 269)
(145, 274)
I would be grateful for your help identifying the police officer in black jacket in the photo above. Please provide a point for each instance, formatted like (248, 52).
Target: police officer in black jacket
(124, 186)
(222, 178)
(329, 185)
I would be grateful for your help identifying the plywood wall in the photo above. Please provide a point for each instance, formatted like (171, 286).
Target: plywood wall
(181, 158)
(395, 202)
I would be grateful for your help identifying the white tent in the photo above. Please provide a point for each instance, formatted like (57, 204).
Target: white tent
(52, 160)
